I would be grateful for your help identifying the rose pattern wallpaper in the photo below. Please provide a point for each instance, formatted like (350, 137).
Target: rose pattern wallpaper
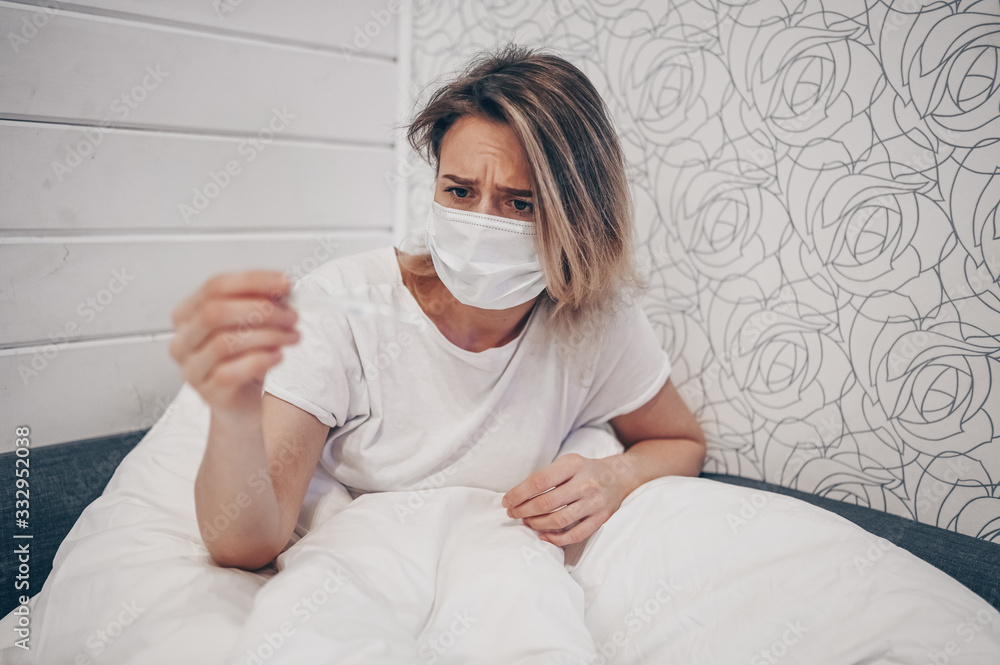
(817, 189)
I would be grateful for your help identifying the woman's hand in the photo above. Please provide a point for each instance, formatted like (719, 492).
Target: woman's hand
(571, 490)
(229, 333)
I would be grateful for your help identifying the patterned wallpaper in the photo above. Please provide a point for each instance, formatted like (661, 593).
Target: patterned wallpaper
(817, 195)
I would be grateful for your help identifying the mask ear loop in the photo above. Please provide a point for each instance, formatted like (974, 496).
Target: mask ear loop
(414, 240)
(427, 218)
(427, 229)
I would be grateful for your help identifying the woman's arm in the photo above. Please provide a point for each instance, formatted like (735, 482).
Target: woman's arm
(261, 451)
(661, 438)
(253, 479)
(571, 498)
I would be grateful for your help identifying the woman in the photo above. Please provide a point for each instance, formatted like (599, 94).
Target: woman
(514, 333)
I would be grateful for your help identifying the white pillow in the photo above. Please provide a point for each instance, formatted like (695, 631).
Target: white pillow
(717, 573)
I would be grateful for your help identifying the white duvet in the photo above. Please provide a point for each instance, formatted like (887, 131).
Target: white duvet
(687, 571)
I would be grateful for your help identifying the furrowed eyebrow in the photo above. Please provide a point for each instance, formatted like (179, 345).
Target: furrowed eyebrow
(523, 193)
(458, 180)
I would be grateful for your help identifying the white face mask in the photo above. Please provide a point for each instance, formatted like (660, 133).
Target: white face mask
(485, 261)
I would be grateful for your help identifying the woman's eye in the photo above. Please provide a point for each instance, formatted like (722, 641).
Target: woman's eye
(460, 192)
(522, 206)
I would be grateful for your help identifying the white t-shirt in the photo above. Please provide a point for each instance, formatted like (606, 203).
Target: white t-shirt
(411, 410)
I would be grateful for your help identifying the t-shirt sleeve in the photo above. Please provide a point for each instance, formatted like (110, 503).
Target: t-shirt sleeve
(630, 369)
(322, 373)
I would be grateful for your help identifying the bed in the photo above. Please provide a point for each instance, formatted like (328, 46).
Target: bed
(689, 570)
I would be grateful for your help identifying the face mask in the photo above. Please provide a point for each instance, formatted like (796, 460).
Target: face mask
(485, 261)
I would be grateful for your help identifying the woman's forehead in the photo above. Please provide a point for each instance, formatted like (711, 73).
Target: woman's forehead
(473, 147)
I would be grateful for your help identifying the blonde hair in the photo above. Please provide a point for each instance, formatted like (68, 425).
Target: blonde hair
(583, 209)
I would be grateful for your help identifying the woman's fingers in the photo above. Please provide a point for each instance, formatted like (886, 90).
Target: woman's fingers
(239, 378)
(555, 474)
(546, 502)
(224, 345)
(562, 518)
(586, 528)
(270, 284)
(579, 498)
(230, 332)
(237, 314)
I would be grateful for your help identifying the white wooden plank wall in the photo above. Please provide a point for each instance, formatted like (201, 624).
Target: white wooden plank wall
(146, 145)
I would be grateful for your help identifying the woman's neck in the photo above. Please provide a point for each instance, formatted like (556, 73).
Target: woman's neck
(470, 328)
